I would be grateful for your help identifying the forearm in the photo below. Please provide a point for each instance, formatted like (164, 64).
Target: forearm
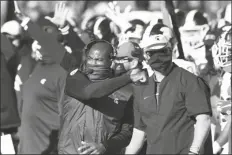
(136, 142)
(79, 87)
(224, 135)
(76, 44)
(201, 131)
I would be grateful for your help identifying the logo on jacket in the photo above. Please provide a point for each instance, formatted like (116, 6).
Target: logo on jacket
(116, 100)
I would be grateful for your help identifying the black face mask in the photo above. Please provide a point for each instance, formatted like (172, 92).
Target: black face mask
(96, 73)
(160, 61)
(119, 69)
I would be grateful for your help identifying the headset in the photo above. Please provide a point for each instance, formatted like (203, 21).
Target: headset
(86, 49)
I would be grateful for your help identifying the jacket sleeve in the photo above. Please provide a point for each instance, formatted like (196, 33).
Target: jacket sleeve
(72, 40)
(80, 87)
(51, 47)
(120, 140)
(7, 48)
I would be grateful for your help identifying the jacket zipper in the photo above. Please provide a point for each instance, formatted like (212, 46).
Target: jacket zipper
(157, 95)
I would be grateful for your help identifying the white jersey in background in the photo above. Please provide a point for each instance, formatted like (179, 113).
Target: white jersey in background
(187, 65)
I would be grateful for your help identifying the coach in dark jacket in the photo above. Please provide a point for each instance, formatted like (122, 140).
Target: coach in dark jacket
(101, 124)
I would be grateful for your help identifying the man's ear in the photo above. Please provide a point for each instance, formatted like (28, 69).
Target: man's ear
(112, 64)
(134, 63)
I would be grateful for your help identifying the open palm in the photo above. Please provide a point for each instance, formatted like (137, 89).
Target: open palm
(60, 15)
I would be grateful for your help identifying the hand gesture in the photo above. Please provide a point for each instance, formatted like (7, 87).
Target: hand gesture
(113, 7)
(114, 13)
(60, 15)
(91, 148)
(138, 75)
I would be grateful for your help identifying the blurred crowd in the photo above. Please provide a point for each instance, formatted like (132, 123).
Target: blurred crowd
(64, 62)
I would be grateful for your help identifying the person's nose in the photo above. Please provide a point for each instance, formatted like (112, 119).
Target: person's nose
(93, 62)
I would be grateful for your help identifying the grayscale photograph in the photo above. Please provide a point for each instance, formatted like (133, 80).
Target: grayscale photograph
(116, 77)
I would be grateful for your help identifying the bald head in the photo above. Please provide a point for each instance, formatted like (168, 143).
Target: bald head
(98, 60)
(100, 54)
(101, 49)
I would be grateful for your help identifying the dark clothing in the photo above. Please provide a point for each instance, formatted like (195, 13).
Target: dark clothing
(24, 70)
(80, 87)
(9, 113)
(40, 115)
(168, 123)
(51, 49)
(73, 60)
(106, 120)
(89, 113)
(7, 48)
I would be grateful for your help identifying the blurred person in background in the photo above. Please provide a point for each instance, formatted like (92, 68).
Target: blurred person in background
(196, 41)
(221, 98)
(13, 31)
(180, 17)
(40, 121)
(223, 18)
(3, 11)
(10, 120)
(134, 33)
(21, 64)
(102, 28)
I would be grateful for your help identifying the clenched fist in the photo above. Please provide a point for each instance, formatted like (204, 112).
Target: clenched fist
(138, 75)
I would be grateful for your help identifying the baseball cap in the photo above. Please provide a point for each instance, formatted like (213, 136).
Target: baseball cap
(155, 42)
(156, 37)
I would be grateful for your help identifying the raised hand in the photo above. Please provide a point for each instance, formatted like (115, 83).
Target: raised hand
(113, 6)
(114, 13)
(60, 15)
(18, 13)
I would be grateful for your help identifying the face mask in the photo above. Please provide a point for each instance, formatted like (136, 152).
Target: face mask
(95, 73)
(119, 69)
(160, 61)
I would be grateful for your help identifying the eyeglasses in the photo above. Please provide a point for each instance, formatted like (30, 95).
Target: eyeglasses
(123, 59)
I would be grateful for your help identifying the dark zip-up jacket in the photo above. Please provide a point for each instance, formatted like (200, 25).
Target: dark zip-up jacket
(107, 120)
(166, 113)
